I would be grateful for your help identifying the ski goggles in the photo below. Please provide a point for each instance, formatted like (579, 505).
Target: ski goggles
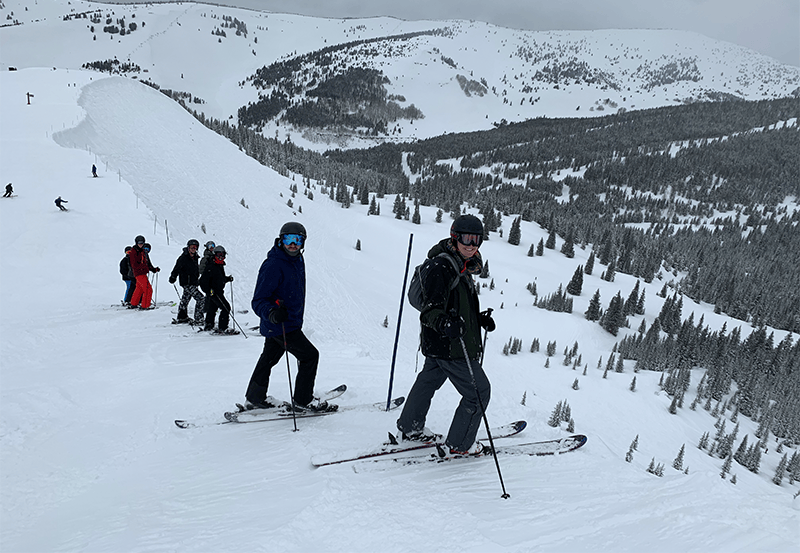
(470, 239)
(220, 255)
(289, 239)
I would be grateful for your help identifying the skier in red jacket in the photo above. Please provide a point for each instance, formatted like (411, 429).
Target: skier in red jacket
(141, 266)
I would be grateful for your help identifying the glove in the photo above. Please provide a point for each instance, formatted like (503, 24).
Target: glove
(172, 280)
(156, 269)
(452, 327)
(230, 278)
(486, 321)
(279, 314)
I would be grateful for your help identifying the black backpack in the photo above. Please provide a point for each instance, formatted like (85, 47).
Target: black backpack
(416, 289)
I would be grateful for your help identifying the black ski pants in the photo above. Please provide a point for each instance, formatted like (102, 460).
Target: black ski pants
(467, 418)
(307, 360)
(214, 302)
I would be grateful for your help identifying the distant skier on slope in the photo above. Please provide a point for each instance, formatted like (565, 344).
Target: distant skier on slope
(187, 271)
(60, 201)
(94, 170)
(212, 282)
(450, 323)
(9, 191)
(279, 300)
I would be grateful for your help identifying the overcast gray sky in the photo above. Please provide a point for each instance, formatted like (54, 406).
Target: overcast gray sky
(771, 27)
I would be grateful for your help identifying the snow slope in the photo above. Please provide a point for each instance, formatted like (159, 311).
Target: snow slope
(90, 459)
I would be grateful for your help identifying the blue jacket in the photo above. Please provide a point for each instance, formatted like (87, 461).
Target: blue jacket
(281, 277)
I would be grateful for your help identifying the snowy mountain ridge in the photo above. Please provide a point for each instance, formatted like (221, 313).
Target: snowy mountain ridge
(461, 75)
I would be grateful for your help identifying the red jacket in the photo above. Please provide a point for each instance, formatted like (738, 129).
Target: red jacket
(140, 261)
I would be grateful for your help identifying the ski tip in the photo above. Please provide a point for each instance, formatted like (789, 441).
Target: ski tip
(231, 417)
(398, 401)
(519, 426)
(392, 439)
(182, 424)
(342, 388)
(579, 439)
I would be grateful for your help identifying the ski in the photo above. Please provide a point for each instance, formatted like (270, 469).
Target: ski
(542, 448)
(279, 413)
(395, 447)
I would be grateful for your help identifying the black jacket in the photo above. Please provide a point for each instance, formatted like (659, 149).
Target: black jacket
(125, 269)
(463, 299)
(213, 280)
(186, 270)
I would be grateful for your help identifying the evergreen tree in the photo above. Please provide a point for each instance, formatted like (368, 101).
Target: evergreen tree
(515, 233)
(540, 247)
(593, 311)
(568, 247)
(726, 467)
(613, 319)
(373, 207)
(530, 251)
(551, 241)
(780, 472)
(576, 284)
(416, 218)
(589, 264)
(677, 464)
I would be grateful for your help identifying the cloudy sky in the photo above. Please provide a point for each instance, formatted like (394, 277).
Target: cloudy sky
(771, 27)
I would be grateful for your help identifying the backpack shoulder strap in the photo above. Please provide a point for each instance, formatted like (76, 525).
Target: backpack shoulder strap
(455, 266)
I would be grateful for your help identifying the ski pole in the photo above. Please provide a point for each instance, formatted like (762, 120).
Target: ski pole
(235, 322)
(399, 319)
(176, 291)
(485, 420)
(155, 294)
(289, 374)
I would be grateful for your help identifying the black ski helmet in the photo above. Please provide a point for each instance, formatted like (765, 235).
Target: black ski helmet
(192, 242)
(219, 249)
(466, 224)
(210, 245)
(147, 247)
(127, 249)
(293, 227)
(139, 239)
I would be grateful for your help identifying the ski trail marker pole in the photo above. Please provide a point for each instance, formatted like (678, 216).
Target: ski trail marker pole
(399, 319)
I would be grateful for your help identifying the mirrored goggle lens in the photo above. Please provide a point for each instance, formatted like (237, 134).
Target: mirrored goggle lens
(470, 239)
(289, 239)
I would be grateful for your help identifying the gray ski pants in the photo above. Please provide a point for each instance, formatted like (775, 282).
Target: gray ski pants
(467, 418)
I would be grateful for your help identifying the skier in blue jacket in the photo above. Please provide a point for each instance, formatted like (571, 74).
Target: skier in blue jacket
(279, 300)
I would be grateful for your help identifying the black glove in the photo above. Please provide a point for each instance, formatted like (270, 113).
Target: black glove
(279, 314)
(156, 269)
(172, 280)
(230, 278)
(452, 327)
(486, 321)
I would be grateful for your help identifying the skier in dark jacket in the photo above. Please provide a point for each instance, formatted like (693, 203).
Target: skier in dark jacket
(9, 191)
(208, 255)
(127, 276)
(279, 300)
(59, 201)
(450, 324)
(187, 273)
(141, 266)
(212, 282)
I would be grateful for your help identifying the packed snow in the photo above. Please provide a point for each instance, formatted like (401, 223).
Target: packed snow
(90, 459)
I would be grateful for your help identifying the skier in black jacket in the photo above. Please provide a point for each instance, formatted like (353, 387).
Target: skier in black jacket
(213, 282)
(127, 276)
(451, 323)
(187, 273)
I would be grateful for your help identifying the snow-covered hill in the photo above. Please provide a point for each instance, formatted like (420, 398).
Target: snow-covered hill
(462, 75)
(90, 459)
